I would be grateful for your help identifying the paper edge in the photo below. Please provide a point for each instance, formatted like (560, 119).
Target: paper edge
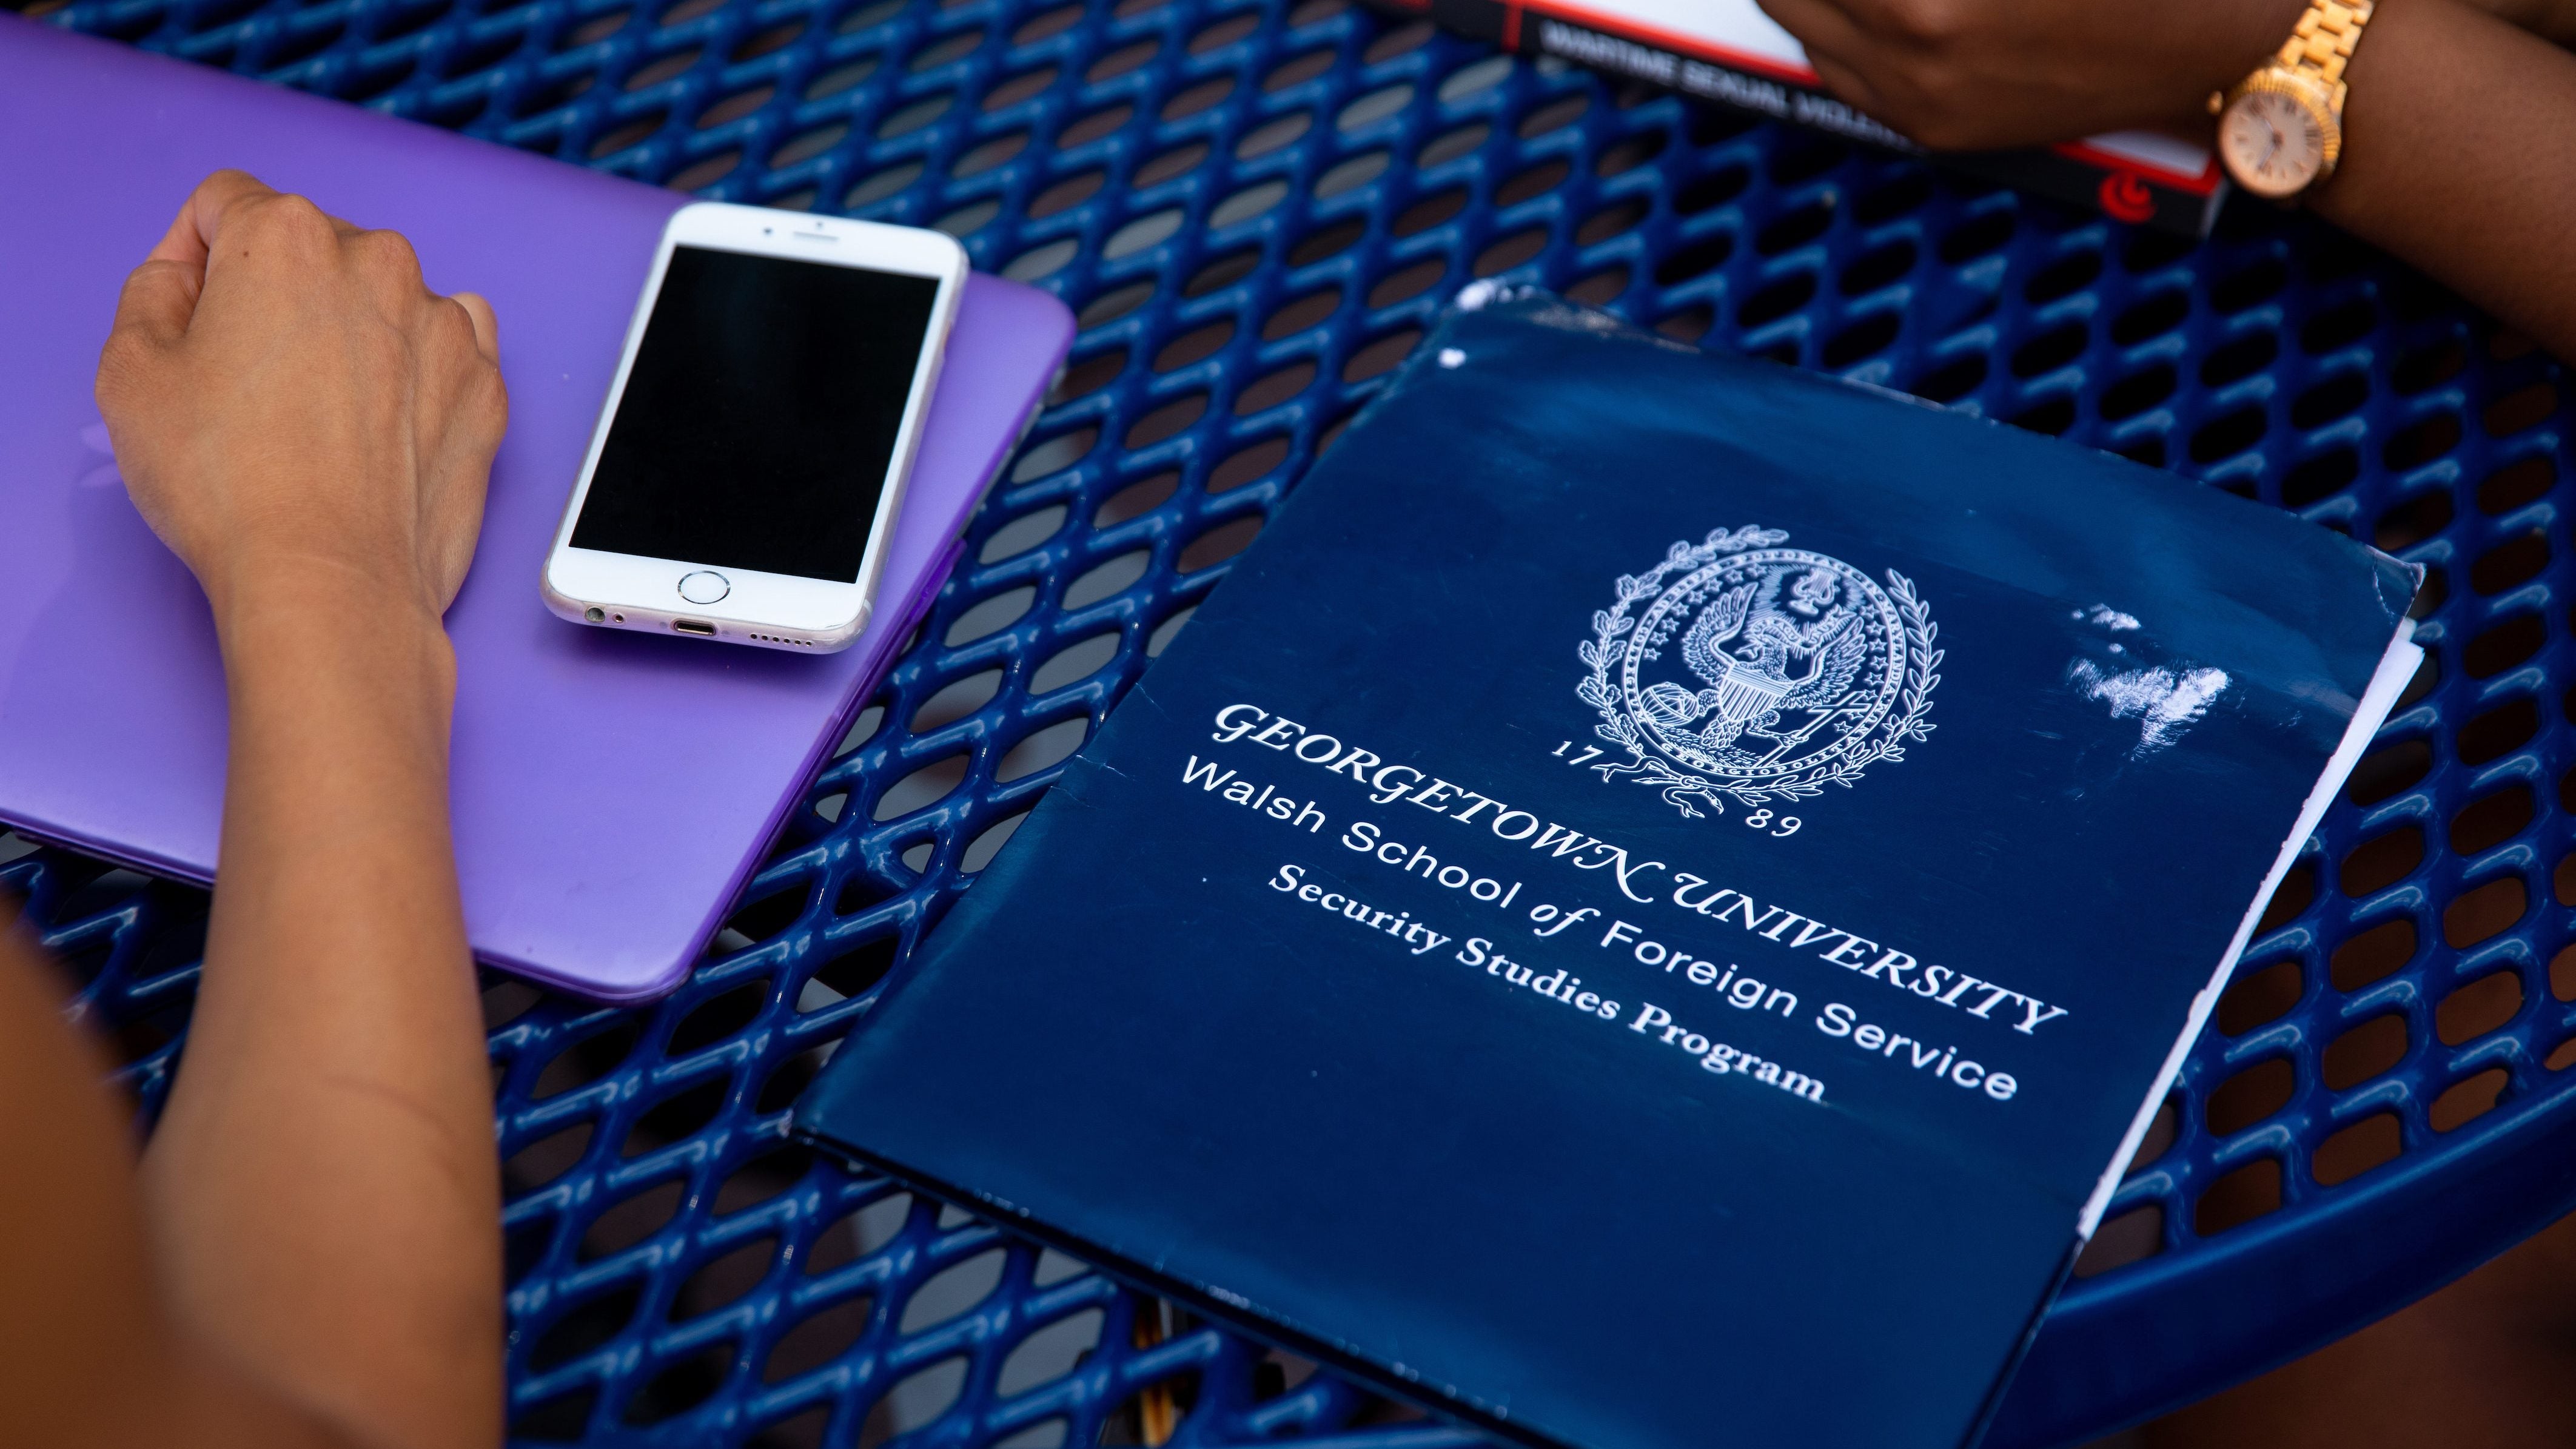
(2397, 669)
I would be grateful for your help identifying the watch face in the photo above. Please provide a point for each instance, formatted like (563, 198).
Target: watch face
(2273, 143)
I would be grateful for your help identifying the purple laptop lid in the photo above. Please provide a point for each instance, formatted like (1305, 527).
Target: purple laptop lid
(611, 790)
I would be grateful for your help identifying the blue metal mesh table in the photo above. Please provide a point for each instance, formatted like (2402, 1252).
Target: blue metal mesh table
(1256, 209)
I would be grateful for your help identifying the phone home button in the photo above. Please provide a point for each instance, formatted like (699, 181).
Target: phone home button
(704, 587)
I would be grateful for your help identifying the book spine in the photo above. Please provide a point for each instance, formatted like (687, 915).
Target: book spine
(2123, 193)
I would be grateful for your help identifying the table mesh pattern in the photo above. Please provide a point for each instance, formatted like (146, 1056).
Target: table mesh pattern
(1257, 210)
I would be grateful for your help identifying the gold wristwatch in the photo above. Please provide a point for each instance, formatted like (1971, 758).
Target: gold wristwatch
(2280, 131)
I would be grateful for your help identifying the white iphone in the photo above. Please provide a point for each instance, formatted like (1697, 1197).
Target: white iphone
(745, 475)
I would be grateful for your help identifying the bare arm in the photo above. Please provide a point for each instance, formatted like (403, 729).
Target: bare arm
(2460, 138)
(310, 429)
(90, 1358)
(323, 1184)
(2551, 20)
(2459, 134)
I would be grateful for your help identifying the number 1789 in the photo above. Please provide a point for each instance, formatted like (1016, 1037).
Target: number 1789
(1778, 827)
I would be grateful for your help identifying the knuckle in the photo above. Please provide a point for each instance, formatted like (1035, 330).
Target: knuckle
(117, 367)
(125, 351)
(448, 330)
(456, 358)
(288, 223)
(487, 397)
(387, 256)
(154, 275)
(229, 183)
(129, 356)
(1929, 23)
(448, 322)
(291, 214)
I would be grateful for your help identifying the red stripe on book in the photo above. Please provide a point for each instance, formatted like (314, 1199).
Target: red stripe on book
(2200, 185)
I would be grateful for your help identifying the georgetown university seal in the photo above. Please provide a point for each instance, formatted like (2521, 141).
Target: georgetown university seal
(1740, 668)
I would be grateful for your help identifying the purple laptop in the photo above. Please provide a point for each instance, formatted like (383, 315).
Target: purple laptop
(612, 790)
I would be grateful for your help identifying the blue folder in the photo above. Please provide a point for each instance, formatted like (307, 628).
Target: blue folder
(1653, 906)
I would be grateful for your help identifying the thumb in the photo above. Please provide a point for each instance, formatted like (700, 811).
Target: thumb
(160, 297)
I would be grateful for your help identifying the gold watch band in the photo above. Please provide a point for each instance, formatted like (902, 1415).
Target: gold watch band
(2322, 43)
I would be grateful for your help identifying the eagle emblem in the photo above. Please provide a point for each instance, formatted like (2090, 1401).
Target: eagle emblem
(1740, 669)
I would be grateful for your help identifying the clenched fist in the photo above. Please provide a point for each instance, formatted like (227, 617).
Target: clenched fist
(286, 397)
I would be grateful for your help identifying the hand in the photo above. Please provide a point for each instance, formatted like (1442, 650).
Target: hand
(285, 396)
(1983, 74)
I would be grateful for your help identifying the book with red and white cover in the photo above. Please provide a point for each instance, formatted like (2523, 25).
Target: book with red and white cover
(1729, 52)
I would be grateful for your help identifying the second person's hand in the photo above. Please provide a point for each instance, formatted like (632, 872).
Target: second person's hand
(1983, 74)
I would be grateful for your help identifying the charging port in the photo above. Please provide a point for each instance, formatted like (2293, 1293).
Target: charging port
(692, 626)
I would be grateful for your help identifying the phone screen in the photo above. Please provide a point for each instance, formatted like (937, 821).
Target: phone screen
(759, 417)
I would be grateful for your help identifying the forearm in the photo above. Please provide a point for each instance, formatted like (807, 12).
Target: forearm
(2460, 157)
(323, 1183)
(89, 1358)
(2551, 20)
